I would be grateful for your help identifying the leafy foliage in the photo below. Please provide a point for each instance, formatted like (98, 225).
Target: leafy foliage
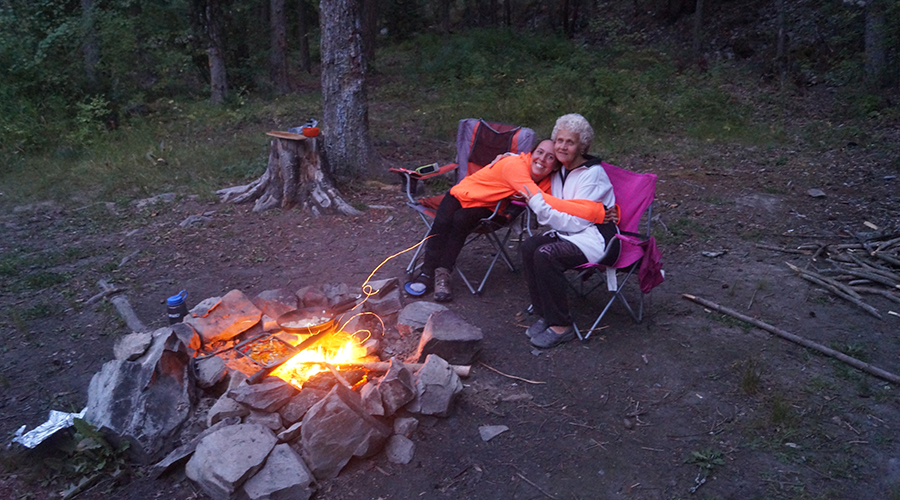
(87, 458)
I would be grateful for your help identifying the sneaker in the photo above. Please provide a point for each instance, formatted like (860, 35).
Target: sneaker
(548, 338)
(442, 291)
(539, 326)
(419, 286)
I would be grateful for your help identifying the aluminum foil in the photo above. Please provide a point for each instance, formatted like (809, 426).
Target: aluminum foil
(57, 421)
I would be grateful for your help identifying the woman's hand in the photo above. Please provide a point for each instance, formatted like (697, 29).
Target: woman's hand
(611, 215)
(526, 193)
(498, 158)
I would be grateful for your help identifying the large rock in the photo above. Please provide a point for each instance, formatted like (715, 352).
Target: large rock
(216, 319)
(132, 346)
(396, 388)
(371, 399)
(450, 337)
(414, 316)
(274, 303)
(266, 419)
(378, 289)
(336, 429)
(436, 387)
(146, 401)
(187, 335)
(385, 304)
(298, 405)
(226, 458)
(400, 449)
(284, 477)
(179, 456)
(210, 371)
(269, 395)
(225, 407)
(405, 426)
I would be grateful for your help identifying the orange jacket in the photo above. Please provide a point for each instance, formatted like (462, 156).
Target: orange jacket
(506, 178)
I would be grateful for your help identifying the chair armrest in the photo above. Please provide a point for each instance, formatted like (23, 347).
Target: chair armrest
(411, 177)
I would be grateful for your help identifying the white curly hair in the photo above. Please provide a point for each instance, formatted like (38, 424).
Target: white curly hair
(573, 122)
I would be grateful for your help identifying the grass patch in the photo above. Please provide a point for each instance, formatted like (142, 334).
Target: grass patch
(681, 230)
(44, 279)
(37, 311)
(751, 376)
(732, 322)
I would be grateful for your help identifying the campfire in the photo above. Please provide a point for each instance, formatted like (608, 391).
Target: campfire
(291, 384)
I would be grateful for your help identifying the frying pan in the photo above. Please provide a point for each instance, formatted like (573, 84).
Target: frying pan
(314, 319)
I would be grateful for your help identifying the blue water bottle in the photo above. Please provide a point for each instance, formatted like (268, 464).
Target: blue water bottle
(176, 307)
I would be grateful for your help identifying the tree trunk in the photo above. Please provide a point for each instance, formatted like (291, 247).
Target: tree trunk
(348, 143)
(278, 36)
(875, 44)
(369, 28)
(303, 25)
(444, 14)
(294, 177)
(218, 81)
(780, 59)
(90, 49)
(698, 30)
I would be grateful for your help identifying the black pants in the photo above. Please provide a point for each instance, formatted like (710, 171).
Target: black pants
(452, 225)
(545, 260)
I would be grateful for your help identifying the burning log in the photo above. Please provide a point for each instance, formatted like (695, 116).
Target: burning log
(293, 177)
(383, 366)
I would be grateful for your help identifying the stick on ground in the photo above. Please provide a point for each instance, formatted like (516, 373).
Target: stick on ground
(124, 308)
(872, 370)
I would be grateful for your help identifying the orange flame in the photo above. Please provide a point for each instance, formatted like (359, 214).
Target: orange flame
(338, 348)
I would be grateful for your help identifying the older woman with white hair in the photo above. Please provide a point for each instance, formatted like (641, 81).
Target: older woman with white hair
(573, 240)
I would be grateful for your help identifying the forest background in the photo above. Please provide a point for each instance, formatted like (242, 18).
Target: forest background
(117, 99)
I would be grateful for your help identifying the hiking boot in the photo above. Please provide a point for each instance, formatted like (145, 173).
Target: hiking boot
(548, 338)
(442, 291)
(423, 284)
(539, 326)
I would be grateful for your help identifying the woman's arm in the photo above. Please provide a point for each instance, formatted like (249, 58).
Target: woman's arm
(585, 207)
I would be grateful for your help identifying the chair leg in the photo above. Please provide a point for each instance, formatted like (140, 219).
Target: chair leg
(466, 281)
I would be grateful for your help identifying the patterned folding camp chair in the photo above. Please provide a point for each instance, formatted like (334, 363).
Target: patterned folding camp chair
(637, 249)
(478, 143)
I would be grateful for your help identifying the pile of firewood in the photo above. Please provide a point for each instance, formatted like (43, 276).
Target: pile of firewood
(869, 267)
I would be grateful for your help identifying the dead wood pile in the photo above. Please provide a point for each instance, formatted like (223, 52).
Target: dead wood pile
(871, 266)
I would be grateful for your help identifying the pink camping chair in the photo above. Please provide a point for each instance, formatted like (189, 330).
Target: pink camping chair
(478, 143)
(634, 196)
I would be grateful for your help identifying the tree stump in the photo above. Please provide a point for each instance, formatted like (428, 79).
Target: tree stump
(293, 177)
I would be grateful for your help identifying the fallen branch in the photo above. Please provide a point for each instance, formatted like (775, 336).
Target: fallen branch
(839, 289)
(100, 296)
(781, 249)
(510, 376)
(123, 307)
(878, 291)
(536, 486)
(872, 277)
(875, 268)
(824, 280)
(887, 258)
(799, 340)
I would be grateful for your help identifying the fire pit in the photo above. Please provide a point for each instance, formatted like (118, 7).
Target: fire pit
(304, 397)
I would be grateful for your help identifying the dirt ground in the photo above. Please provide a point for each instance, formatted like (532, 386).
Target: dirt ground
(641, 411)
